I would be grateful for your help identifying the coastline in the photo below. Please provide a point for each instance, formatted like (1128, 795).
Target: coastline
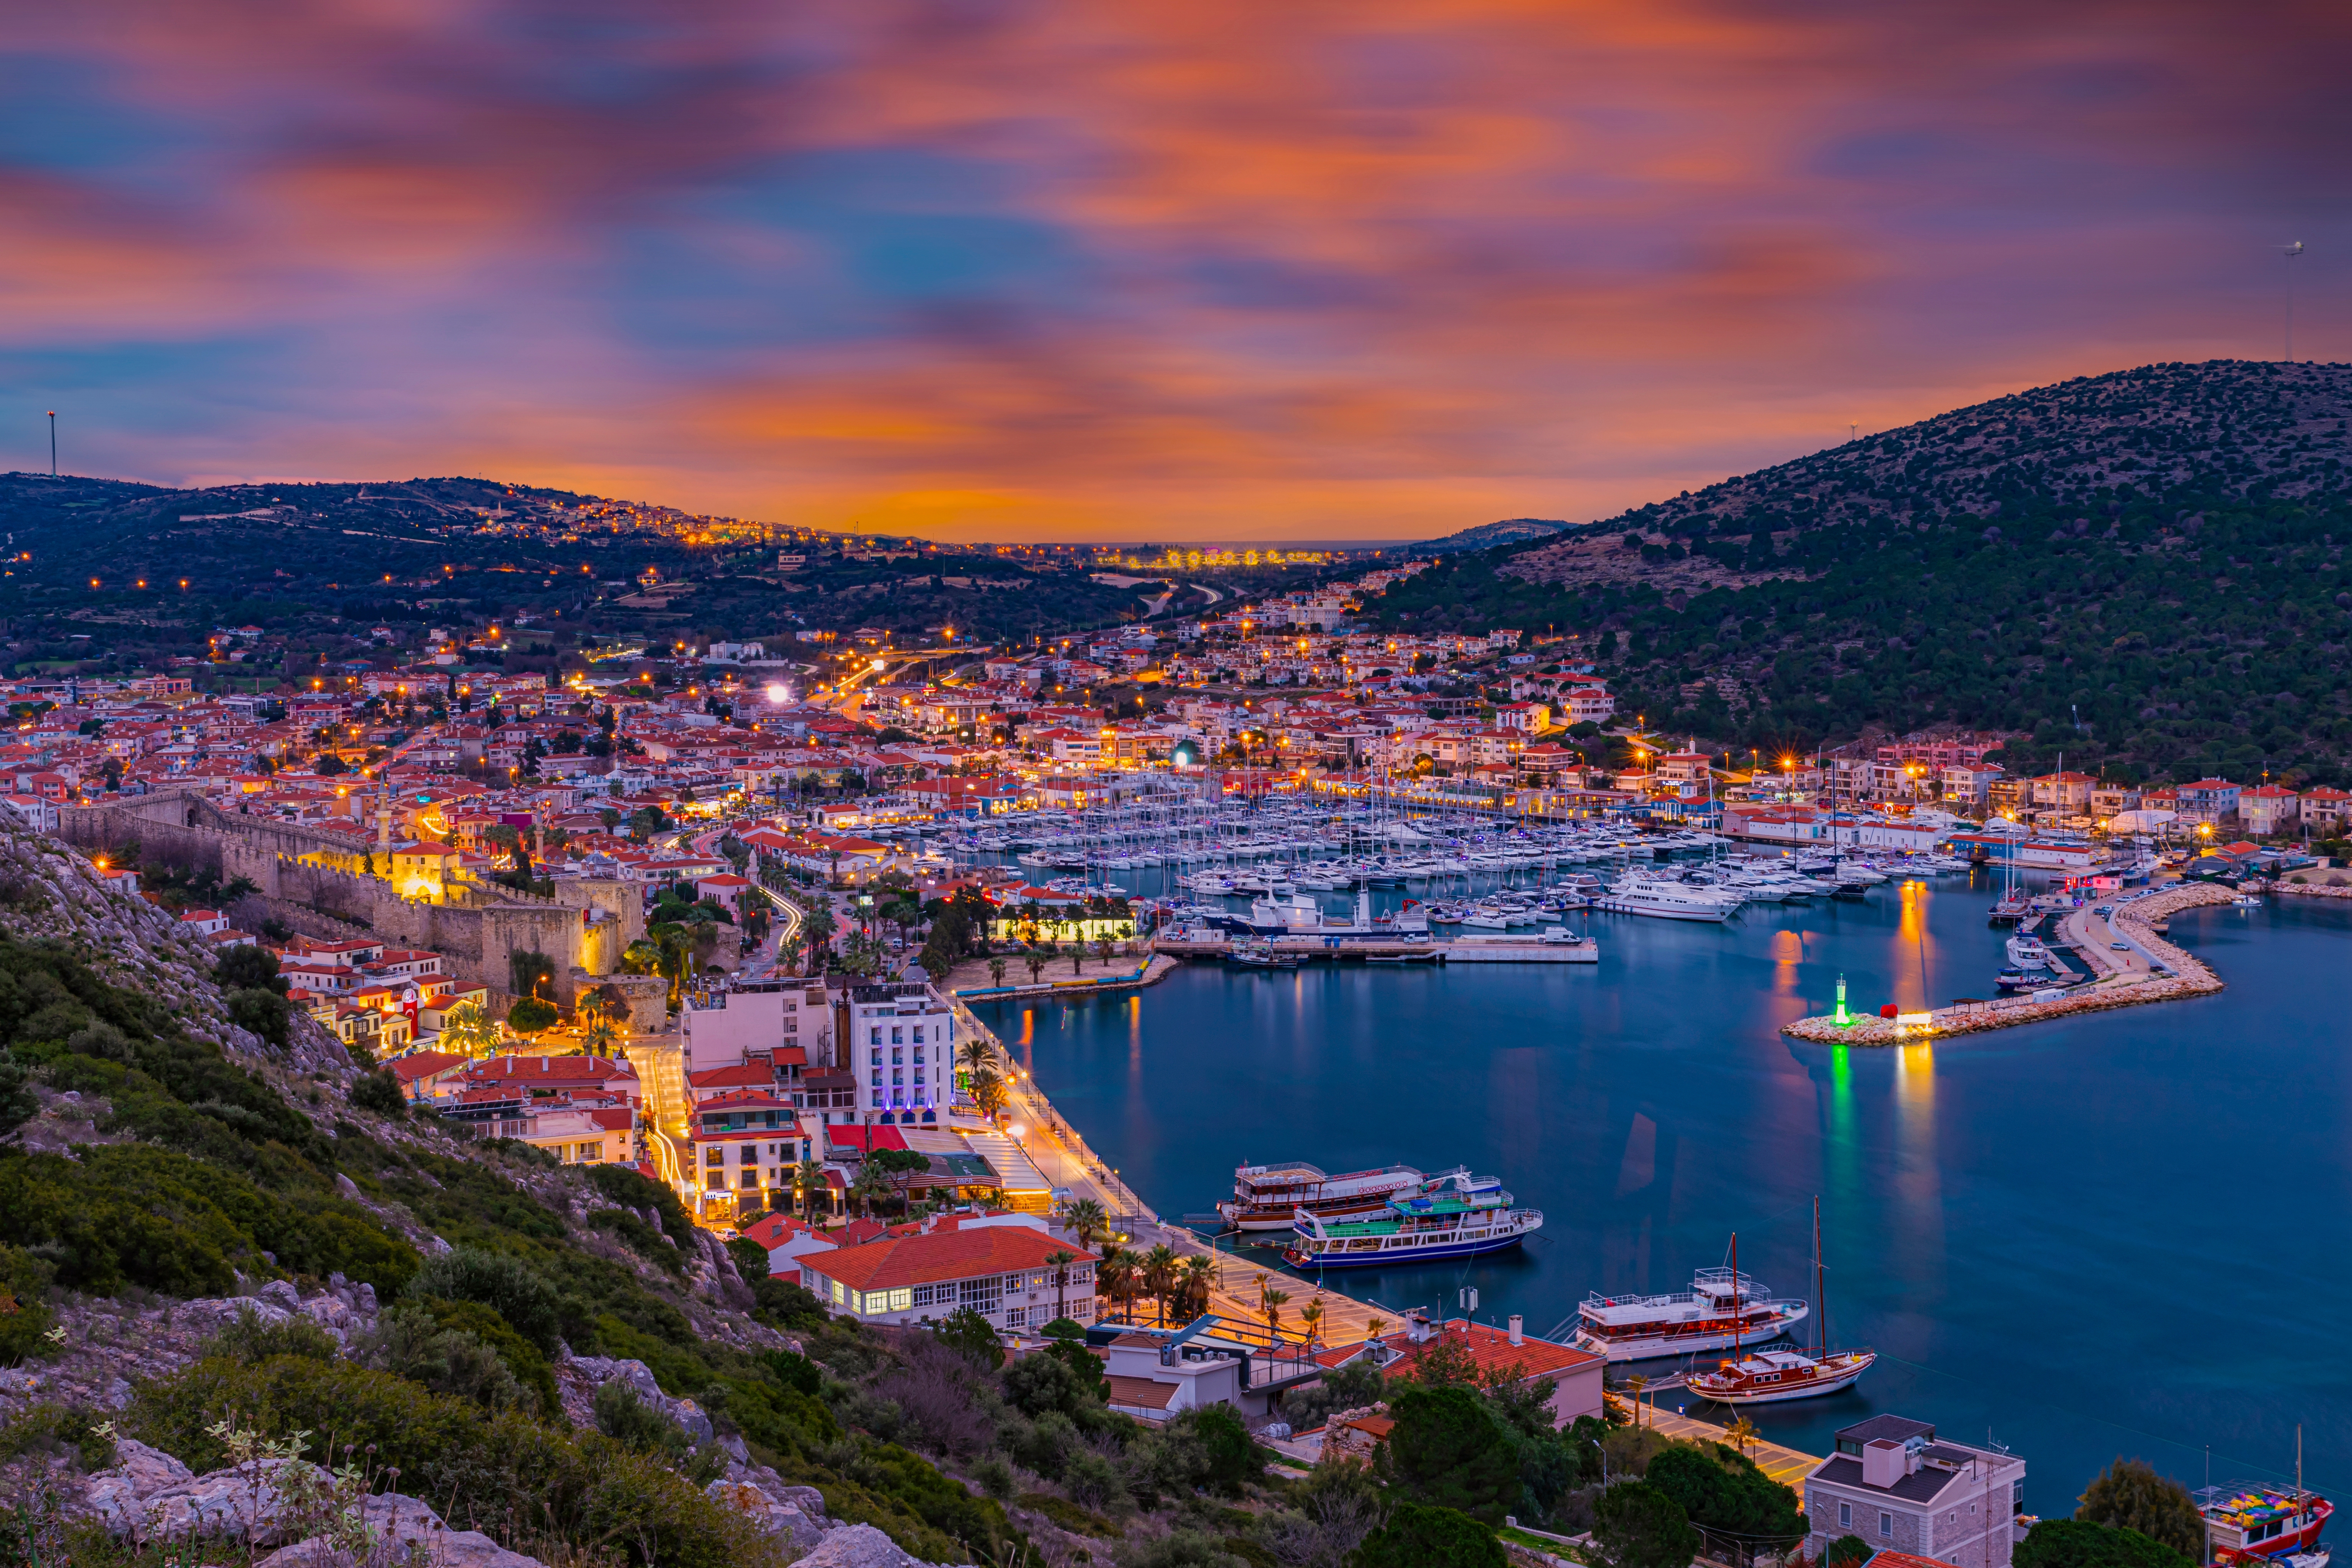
(2188, 977)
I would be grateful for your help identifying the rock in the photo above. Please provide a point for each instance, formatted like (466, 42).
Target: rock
(282, 1293)
(411, 1531)
(782, 1521)
(220, 1311)
(365, 1296)
(225, 1502)
(118, 1394)
(598, 1371)
(346, 1186)
(116, 1495)
(858, 1546)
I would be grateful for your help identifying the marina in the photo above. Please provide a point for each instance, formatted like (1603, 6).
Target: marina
(1649, 1104)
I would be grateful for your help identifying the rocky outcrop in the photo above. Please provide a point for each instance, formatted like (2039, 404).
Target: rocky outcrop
(859, 1546)
(107, 1344)
(578, 1377)
(792, 1525)
(405, 1529)
(255, 1498)
(115, 1497)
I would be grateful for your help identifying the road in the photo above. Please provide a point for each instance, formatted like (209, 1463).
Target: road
(2091, 934)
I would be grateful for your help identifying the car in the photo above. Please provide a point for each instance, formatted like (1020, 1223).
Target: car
(2120, 946)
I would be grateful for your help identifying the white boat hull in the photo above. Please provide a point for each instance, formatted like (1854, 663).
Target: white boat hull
(1652, 1347)
(1835, 1381)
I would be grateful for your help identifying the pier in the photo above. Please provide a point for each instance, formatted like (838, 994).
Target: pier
(1473, 949)
(2152, 969)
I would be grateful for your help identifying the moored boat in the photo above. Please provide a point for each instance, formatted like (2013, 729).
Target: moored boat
(1268, 1198)
(1723, 1309)
(1451, 1215)
(1770, 1376)
(2254, 1523)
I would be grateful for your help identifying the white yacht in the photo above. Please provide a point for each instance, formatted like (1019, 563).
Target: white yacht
(1666, 900)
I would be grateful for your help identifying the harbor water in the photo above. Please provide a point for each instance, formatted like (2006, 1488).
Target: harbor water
(2120, 1234)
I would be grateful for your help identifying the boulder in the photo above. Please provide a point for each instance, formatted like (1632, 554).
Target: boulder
(787, 1524)
(281, 1293)
(409, 1531)
(597, 1371)
(226, 1502)
(117, 1496)
(858, 1546)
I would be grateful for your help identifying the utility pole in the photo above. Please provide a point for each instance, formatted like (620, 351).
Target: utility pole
(53, 443)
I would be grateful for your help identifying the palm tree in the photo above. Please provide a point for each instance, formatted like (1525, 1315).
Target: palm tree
(469, 1028)
(1741, 1432)
(1103, 947)
(976, 1052)
(1059, 1262)
(988, 1092)
(1037, 958)
(808, 1181)
(1115, 1275)
(1372, 1328)
(1159, 1267)
(1310, 1317)
(1270, 1302)
(996, 971)
(1077, 958)
(1084, 1220)
(1193, 1285)
(1637, 1383)
(872, 1183)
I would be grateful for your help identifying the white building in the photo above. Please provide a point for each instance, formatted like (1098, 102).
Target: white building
(998, 1271)
(901, 1046)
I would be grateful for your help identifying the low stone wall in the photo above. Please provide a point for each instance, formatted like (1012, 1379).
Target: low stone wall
(2189, 978)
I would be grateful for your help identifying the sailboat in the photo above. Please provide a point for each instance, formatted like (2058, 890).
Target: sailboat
(1769, 1376)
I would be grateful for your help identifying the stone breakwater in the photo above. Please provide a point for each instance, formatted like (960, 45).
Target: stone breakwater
(2188, 977)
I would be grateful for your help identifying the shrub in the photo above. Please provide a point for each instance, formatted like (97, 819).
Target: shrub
(264, 1013)
(1637, 1526)
(1845, 1552)
(505, 1284)
(2078, 1544)
(250, 1340)
(1720, 1488)
(751, 1258)
(636, 1190)
(55, 1429)
(25, 1313)
(1043, 1381)
(640, 1239)
(1420, 1537)
(2132, 1495)
(782, 1304)
(250, 967)
(625, 1418)
(379, 1091)
(970, 1335)
(1070, 1516)
(530, 1015)
(1448, 1451)
(1349, 1388)
(1222, 1455)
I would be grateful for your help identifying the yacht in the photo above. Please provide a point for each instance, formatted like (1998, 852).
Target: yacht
(1666, 900)
(1723, 1308)
(1451, 1215)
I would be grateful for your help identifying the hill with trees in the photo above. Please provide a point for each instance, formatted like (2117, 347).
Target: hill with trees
(2142, 570)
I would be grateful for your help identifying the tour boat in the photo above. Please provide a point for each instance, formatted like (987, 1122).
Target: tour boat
(2251, 1523)
(2028, 953)
(1723, 1309)
(1268, 1197)
(1769, 1376)
(1451, 1215)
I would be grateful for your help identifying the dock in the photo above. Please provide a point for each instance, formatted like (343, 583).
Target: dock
(1466, 950)
(2150, 970)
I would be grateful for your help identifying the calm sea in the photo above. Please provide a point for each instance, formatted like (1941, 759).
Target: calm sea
(2121, 1235)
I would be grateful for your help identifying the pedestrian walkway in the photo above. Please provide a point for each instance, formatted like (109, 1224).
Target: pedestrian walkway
(1787, 1466)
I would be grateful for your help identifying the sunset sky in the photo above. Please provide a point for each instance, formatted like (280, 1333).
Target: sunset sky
(1134, 270)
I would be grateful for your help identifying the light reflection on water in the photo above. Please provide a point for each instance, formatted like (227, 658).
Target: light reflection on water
(2075, 1235)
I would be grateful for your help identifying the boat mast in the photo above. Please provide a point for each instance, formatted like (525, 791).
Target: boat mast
(1737, 1324)
(1821, 1306)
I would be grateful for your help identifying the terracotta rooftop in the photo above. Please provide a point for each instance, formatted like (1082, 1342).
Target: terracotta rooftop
(1492, 1349)
(930, 1259)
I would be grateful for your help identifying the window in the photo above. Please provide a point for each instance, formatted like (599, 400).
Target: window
(918, 1033)
(924, 1294)
(877, 1038)
(1845, 1516)
(897, 1059)
(751, 1178)
(877, 1058)
(1016, 1317)
(1887, 1525)
(750, 1155)
(897, 1036)
(878, 1098)
(901, 1298)
(983, 1295)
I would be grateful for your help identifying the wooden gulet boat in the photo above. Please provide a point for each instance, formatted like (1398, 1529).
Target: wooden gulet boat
(2264, 1525)
(1769, 1376)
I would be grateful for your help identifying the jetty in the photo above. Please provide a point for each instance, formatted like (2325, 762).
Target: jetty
(1308, 947)
(2148, 969)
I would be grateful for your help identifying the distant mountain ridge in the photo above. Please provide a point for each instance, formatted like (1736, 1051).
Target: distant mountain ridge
(1510, 531)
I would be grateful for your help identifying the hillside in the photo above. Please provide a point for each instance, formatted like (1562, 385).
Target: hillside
(2144, 570)
(107, 576)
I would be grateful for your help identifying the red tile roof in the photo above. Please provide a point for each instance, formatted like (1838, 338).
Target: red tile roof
(931, 1259)
(743, 1075)
(1492, 1349)
(1140, 1392)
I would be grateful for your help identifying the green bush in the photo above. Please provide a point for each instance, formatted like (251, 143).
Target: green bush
(639, 1237)
(1225, 1457)
(1420, 1537)
(379, 1091)
(624, 1184)
(1448, 1451)
(250, 1340)
(525, 1359)
(2131, 1495)
(1637, 1526)
(1845, 1552)
(1070, 1516)
(507, 1286)
(530, 1015)
(25, 1315)
(57, 1430)
(1720, 1488)
(782, 1304)
(2078, 1544)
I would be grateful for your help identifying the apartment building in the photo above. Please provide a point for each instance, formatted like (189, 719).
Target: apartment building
(1899, 1486)
(900, 1042)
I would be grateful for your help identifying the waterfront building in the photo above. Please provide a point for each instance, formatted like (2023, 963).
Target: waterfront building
(2268, 808)
(900, 1042)
(1893, 1483)
(1511, 1354)
(2209, 800)
(2325, 807)
(999, 1270)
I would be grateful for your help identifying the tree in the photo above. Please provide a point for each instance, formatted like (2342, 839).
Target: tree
(1228, 1458)
(808, 1181)
(1270, 1302)
(1059, 1262)
(1193, 1286)
(530, 1016)
(1420, 1537)
(1845, 1552)
(2130, 1494)
(1637, 1526)
(1311, 1320)
(1085, 1220)
(936, 964)
(469, 1029)
(1103, 947)
(898, 1167)
(1719, 1489)
(968, 1333)
(2078, 1544)
(996, 971)
(1447, 1450)
(988, 1092)
(1037, 958)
